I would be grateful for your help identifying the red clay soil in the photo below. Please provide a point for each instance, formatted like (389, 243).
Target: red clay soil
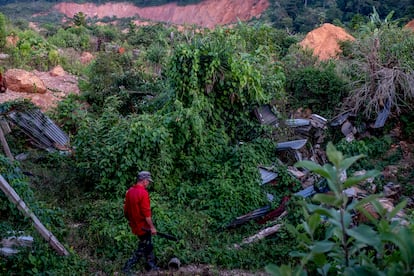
(410, 25)
(207, 13)
(324, 41)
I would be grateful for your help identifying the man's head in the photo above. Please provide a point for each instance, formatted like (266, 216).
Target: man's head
(144, 175)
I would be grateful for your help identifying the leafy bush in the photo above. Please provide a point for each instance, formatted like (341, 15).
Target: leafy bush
(32, 51)
(69, 113)
(348, 246)
(309, 85)
(374, 148)
(40, 257)
(73, 37)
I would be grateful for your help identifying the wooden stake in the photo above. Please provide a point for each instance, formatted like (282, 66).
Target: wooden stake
(5, 145)
(46, 234)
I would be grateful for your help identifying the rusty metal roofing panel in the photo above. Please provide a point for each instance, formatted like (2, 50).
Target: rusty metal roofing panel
(42, 130)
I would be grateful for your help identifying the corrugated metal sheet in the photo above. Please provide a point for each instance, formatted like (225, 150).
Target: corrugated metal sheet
(292, 145)
(41, 129)
(265, 115)
(383, 115)
(341, 118)
(297, 122)
(267, 175)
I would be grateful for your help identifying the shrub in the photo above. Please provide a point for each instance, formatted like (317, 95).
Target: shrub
(347, 246)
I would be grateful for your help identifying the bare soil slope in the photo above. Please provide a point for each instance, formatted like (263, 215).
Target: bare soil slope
(208, 13)
(324, 41)
(410, 25)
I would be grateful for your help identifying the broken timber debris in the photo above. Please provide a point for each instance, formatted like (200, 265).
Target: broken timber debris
(46, 234)
(10, 243)
(4, 144)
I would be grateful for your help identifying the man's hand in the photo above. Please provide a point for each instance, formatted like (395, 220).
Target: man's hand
(153, 231)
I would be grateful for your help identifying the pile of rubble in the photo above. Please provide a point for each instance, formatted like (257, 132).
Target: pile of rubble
(310, 131)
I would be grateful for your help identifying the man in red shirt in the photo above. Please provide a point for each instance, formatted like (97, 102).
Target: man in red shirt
(137, 210)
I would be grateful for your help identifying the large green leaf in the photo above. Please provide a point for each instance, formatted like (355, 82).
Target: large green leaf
(346, 163)
(314, 221)
(312, 166)
(396, 209)
(327, 199)
(365, 234)
(334, 155)
(322, 247)
(362, 271)
(351, 181)
(285, 270)
(404, 240)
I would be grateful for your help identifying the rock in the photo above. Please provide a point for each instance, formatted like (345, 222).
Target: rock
(20, 80)
(11, 40)
(57, 71)
(86, 58)
(410, 25)
(324, 41)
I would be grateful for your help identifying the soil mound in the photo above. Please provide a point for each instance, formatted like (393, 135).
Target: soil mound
(410, 25)
(207, 13)
(324, 41)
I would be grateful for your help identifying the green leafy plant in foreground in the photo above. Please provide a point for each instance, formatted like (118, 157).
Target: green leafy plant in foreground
(383, 247)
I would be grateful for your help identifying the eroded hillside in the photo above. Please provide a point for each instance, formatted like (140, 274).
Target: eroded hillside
(208, 13)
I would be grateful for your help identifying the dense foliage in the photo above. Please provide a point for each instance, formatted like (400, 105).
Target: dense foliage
(296, 16)
(333, 242)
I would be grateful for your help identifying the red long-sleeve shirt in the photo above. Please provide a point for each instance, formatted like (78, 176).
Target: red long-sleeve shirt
(137, 207)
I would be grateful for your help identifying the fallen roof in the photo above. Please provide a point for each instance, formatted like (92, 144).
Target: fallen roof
(43, 132)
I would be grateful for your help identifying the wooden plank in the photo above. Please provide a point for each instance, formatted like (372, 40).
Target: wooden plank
(46, 234)
(5, 145)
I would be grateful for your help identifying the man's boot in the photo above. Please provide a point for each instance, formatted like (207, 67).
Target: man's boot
(132, 261)
(151, 266)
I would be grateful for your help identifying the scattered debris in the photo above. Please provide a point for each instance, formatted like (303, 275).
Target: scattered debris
(276, 213)
(10, 243)
(262, 234)
(255, 214)
(21, 205)
(292, 145)
(383, 115)
(266, 116)
(174, 264)
(267, 174)
(42, 131)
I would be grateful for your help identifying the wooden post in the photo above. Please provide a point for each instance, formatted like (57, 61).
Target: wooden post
(5, 145)
(46, 234)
